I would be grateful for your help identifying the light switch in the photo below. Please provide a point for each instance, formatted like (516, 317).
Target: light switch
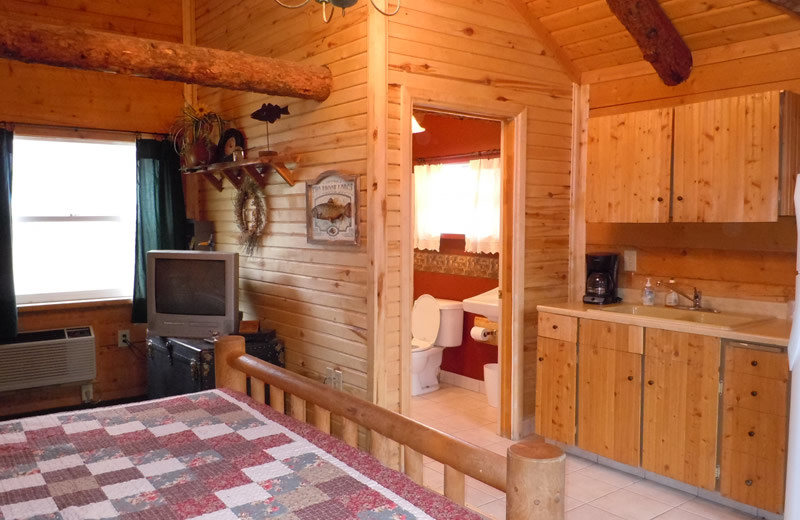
(629, 260)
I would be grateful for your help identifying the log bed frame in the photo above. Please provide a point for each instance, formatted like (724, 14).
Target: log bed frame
(533, 478)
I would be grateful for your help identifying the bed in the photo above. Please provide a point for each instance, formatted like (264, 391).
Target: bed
(221, 454)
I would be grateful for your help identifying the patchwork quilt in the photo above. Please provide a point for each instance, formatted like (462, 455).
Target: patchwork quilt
(213, 455)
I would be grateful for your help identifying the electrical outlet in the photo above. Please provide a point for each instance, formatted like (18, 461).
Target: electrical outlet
(337, 379)
(87, 393)
(328, 376)
(123, 337)
(629, 260)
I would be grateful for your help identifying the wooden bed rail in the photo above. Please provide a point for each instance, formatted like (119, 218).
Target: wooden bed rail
(533, 477)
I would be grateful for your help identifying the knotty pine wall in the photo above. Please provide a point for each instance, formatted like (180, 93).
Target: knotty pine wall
(482, 48)
(753, 261)
(314, 296)
(39, 94)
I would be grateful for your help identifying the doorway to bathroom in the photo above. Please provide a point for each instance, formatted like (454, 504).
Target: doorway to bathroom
(463, 142)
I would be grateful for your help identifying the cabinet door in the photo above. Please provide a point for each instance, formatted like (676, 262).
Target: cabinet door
(727, 160)
(628, 167)
(555, 389)
(681, 405)
(610, 403)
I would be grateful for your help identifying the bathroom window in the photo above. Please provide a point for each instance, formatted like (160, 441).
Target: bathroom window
(461, 199)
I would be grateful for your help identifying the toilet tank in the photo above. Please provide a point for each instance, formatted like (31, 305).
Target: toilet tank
(451, 326)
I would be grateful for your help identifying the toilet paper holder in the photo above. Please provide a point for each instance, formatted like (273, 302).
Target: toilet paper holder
(484, 331)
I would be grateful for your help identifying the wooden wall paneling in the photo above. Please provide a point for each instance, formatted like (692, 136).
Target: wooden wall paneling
(790, 150)
(680, 407)
(577, 213)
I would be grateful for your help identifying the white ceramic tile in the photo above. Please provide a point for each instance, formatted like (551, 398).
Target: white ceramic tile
(478, 437)
(574, 463)
(432, 479)
(712, 511)
(571, 503)
(587, 489)
(679, 514)
(669, 496)
(495, 510)
(475, 497)
(715, 497)
(500, 448)
(486, 488)
(611, 476)
(587, 512)
(630, 506)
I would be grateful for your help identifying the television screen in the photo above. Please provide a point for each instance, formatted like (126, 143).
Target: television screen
(190, 287)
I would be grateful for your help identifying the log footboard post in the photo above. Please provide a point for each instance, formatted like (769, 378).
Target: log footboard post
(227, 376)
(535, 481)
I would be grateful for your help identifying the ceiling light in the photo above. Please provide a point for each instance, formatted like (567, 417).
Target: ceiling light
(344, 4)
(416, 128)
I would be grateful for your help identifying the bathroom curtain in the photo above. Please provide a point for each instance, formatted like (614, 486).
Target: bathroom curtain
(462, 199)
(160, 211)
(8, 298)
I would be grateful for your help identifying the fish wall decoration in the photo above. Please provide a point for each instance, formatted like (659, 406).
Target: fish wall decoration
(269, 113)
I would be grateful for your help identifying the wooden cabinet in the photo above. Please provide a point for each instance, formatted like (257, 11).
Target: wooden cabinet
(680, 408)
(727, 164)
(556, 377)
(754, 427)
(628, 167)
(727, 160)
(610, 390)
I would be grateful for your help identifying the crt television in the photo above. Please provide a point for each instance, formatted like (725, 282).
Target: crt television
(192, 294)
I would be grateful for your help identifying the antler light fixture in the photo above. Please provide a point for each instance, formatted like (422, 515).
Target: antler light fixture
(344, 4)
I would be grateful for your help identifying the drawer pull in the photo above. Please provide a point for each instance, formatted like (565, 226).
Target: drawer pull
(680, 198)
(555, 327)
(748, 482)
(754, 393)
(541, 359)
(651, 382)
(751, 433)
(630, 378)
(660, 199)
(754, 363)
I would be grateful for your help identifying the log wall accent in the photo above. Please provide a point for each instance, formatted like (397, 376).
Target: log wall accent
(54, 96)
(752, 261)
(121, 373)
(484, 51)
(314, 296)
(87, 49)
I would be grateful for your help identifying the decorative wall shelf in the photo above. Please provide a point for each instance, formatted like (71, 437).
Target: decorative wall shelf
(235, 172)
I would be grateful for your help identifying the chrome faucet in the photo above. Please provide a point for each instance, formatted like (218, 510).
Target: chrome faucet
(696, 298)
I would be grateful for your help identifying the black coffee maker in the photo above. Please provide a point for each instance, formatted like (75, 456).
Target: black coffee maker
(601, 278)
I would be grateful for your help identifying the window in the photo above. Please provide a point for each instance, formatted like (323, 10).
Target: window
(74, 212)
(462, 199)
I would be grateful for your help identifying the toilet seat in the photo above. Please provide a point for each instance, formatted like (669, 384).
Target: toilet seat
(425, 321)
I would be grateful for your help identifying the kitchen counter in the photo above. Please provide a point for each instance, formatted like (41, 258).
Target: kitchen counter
(770, 331)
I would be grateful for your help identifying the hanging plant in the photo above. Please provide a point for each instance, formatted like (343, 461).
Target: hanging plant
(250, 211)
(195, 134)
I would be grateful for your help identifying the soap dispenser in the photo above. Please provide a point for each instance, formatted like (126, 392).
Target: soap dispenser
(648, 294)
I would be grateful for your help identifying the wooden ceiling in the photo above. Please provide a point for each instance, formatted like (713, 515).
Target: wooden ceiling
(591, 38)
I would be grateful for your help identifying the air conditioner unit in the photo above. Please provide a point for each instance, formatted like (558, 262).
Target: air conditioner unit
(47, 357)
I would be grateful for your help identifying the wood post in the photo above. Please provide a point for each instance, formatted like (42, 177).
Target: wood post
(322, 419)
(257, 390)
(276, 399)
(535, 481)
(454, 486)
(660, 42)
(225, 348)
(87, 49)
(297, 408)
(350, 432)
(413, 466)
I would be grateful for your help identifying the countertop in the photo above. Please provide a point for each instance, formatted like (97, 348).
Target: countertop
(770, 331)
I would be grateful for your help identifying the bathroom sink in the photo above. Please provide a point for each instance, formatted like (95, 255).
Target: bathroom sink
(486, 304)
(722, 320)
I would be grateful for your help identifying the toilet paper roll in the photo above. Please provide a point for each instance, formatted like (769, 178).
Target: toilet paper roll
(480, 333)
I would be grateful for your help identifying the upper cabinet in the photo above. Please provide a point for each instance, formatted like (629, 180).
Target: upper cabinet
(727, 160)
(628, 168)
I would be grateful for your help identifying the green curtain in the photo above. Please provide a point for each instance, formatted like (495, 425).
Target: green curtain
(8, 298)
(160, 211)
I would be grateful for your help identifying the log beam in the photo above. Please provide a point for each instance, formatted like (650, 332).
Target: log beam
(76, 48)
(660, 42)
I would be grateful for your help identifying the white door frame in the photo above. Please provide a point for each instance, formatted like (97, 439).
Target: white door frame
(505, 112)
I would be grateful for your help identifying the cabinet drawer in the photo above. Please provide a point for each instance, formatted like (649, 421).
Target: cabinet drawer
(557, 326)
(610, 335)
(752, 480)
(755, 393)
(772, 365)
(754, 433)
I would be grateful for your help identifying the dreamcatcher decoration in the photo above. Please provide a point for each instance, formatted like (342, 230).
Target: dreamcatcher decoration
(250, 210)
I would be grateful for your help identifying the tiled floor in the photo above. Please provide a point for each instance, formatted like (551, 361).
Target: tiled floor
(594, 492)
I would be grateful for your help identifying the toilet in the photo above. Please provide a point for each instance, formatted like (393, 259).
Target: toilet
(435, 324)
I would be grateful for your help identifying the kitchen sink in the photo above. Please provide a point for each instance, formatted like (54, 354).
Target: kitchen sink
(719, 320)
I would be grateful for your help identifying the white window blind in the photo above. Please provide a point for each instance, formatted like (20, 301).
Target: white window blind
(74, 214)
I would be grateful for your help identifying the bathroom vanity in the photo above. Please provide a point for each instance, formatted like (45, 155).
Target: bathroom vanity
(701, 402)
